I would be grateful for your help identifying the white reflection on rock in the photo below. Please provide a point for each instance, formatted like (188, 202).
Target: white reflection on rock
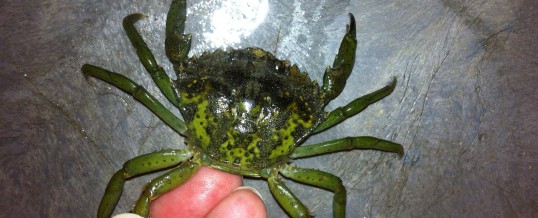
(234, 20)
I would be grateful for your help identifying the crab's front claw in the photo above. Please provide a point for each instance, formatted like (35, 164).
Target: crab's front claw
(177, 44)
(148, 59)
(335, 77)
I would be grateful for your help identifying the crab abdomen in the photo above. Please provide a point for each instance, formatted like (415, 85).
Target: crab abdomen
(246, 109)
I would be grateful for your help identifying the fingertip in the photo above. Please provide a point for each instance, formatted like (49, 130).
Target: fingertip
(249, 188)
(242, 202)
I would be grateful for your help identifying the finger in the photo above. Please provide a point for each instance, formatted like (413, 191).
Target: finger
(241, 203)
(127, 215)
(197, 196)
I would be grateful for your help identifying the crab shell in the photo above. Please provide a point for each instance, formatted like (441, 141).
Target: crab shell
(245, 109)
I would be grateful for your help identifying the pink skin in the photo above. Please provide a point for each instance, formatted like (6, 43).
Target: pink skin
(209, 193)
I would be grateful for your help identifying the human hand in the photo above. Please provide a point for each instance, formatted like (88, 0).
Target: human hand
(209, 193)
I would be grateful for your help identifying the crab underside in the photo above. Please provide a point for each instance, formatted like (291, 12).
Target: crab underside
(246, 112)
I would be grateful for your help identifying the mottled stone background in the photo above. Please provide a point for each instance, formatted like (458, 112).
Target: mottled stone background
(464, 108)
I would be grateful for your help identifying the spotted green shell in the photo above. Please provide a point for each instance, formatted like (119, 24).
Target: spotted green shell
(247, 109)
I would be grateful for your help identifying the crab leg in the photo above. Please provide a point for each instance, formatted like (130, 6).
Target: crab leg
(138, 92)
(345, 144)
(322, 180)
(339, 114)
(291, 204)
(177, 44)
(136, 166)
(335, 77)
(148, 60)
(163, 184)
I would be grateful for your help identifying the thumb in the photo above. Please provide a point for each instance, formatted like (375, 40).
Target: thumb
(242, 202)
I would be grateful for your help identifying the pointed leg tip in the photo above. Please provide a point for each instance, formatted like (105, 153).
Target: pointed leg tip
(351, 17)
(394, 81)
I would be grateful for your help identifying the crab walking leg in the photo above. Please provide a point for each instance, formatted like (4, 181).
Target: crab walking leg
(345, 144)
(138, 92)
(323, 180)
(291, 204)
(136, 166)
(163, 184)
(335, 77)
(177, 44)
(145, 55)
(339, 114)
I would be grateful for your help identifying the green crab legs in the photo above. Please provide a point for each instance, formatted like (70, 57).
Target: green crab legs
(163, 184)
(145, 55)
(138, 92)
(335, 78)
(143, 164)
(346, 144)
(174, 27)
(157, 73)
(291, 204)
(359, 104)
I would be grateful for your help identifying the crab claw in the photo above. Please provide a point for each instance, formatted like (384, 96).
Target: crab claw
(335, 77)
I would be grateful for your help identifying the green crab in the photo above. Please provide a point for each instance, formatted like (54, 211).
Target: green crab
(246, 112)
